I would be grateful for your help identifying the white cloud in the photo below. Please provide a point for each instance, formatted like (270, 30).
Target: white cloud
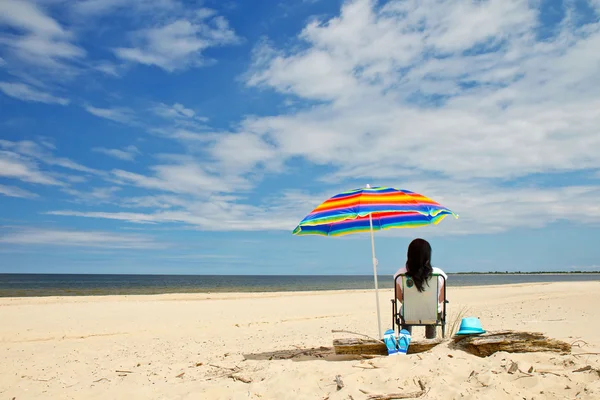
(41, 41)
(179, 44)
(70, 238)
(12, 191)
(213, 215)
(25, 92)
(122, 115)
(400, 91)
(482, 209)
(17, 167)
(175, 111)
(185, 177)
(108, 69)
(154, 202)
(458, 89)
(485, 208)
(240, 152)
(2, 62)
(42, 151)
(127, 154)
(93, 195)
(95, 8)
(28, 16)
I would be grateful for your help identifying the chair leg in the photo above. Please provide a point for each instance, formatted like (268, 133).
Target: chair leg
(407, 327)
(393, 315)
(443, 330)
(430, 331)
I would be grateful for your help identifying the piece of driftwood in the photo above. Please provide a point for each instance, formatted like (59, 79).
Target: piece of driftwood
(370, 346)
(511, 342)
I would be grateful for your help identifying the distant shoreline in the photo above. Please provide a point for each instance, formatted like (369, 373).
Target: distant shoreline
(526, 273)
(309, 275)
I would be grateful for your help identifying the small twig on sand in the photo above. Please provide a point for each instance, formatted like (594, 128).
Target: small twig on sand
(218, 366)
(585, 354)
(391, 396)
(525, 375)
(354, 333)
(543, 371)
(371, 366)
(239, 378)
(339, 383)
(180, 375)
(586, 368)
(124, 372)
(101, 379)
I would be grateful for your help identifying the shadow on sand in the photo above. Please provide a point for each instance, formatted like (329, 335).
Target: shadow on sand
(316, 353)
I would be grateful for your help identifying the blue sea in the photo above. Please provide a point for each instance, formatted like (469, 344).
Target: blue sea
(26, 285)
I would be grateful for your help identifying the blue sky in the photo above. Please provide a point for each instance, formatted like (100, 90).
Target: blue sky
(167, 136)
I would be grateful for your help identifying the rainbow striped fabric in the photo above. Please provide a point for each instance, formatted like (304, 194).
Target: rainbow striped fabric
(348, 212)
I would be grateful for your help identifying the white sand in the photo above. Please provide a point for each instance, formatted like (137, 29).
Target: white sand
(71, 347)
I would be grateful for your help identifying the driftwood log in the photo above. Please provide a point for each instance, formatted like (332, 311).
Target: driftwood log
(510, 342)
(377, 347)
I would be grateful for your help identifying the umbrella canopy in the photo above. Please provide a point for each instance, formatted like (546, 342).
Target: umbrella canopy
(370, 209)
(351, 212)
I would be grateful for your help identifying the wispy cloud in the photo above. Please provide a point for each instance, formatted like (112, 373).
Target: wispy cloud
(127, 154)
(37, 39)
(184, 177)
(13, 191)
(95, 8)
(42, 151)
(176, 111)
(25, 92)
(74, 238)
(96, 195)
(179, 44)
(108, 69)
(17, 167)
(483, 209)
(122, 115)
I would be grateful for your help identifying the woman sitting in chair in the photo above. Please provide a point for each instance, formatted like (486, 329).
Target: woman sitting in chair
(418, 268)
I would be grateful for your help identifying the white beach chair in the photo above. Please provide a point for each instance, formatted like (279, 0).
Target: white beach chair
(419, 308)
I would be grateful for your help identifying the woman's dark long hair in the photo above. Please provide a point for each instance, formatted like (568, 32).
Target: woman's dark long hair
(418, 263)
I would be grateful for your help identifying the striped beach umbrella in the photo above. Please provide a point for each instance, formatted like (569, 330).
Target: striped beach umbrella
(370, 209)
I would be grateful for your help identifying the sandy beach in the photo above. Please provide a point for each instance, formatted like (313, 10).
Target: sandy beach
(250, 346)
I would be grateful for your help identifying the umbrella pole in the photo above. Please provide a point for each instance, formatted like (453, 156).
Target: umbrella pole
(375, 276)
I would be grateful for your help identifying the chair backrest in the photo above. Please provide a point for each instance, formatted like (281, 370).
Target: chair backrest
(420, 307)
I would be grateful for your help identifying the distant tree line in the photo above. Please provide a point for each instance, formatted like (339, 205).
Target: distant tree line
(524, 272)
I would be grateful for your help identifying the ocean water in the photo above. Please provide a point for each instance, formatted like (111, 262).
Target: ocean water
(26, 285)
